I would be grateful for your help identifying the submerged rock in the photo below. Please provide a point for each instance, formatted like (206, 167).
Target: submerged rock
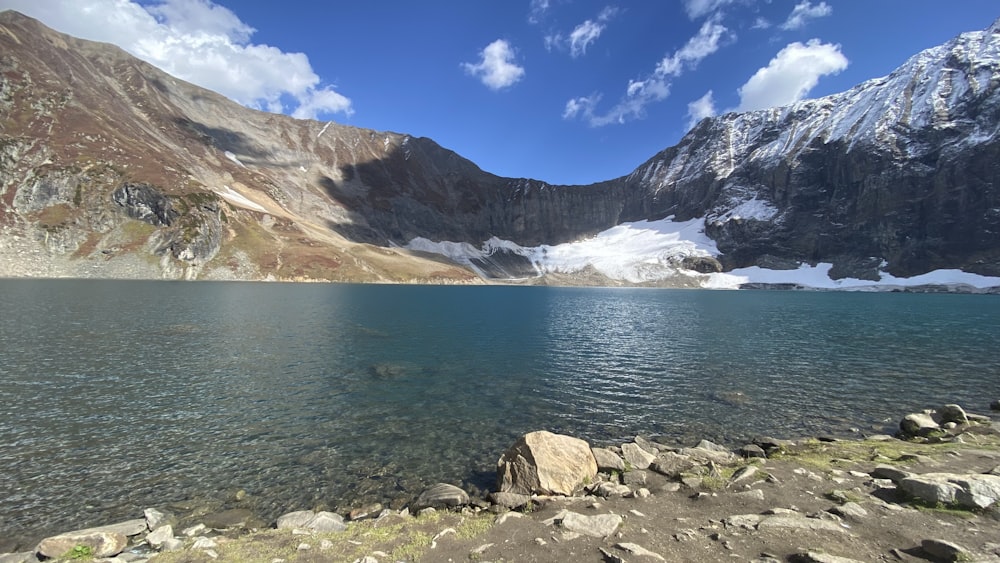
(546, 463)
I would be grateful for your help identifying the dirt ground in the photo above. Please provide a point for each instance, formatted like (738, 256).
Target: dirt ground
(784, 512)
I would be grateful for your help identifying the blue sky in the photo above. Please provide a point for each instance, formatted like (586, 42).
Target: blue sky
(564, 91)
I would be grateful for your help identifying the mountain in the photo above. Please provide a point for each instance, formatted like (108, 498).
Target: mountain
(112, 168)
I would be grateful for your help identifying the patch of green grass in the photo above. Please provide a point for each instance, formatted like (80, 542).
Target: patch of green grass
(828, 455)
(944, 509)
(474, 526)
(79, 552)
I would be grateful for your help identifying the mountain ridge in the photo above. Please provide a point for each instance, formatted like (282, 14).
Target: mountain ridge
(265, 196)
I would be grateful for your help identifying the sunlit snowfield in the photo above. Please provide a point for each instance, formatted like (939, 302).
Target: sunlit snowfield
(115, 396)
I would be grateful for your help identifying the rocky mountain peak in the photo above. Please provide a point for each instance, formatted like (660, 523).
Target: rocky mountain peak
(897, 174)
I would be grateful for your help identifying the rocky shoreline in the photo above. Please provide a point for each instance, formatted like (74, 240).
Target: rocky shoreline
(584, 502)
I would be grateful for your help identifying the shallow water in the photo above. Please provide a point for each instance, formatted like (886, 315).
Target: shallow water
(117, 395)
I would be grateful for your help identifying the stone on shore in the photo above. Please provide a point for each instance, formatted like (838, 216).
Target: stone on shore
(598, 526)
(637, 457)
(995, 405)
(608, 460)
(953, 413)
(510, 500)
(101, 544)
(967, 491)
(918, 424)
(315, 521)
(441, 495)
(157, 537)
(545, 463)
(24, 557)
(156, 518)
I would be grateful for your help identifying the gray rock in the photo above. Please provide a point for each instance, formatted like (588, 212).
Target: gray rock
(636, 549)
(155, 518)
(102, 544)
(743, 521)
(510, 500)
(711, 446)
(608, 490)
(635, 479)
(800, 523)
(608, 556)
(441, 495)
(368, 511)
(598, 526)
(968, 491)
(752, 494)
(546, 463)
(157, 537)
(315, 521)
(816, 557)
(953, 413)
(850, 511)
(743, 474)
(25, 557)
(671, 464)
(173, 544)
(705, 455)
(647, 445)
(637, 457)
(894, 474)
(751, 450)
(608, 460)
(918, 424)
(995, 405)
(127, 528)
(979, 418)
(945, 550)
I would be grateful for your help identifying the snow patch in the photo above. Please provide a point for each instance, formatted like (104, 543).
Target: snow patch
(756, 209)
(233, 158)
(323, 130)
(818, 277)
(236, 198)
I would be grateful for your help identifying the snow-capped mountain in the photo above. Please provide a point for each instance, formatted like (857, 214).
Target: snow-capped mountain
(112, 168)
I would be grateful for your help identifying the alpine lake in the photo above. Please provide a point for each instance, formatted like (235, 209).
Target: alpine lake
(121, 395)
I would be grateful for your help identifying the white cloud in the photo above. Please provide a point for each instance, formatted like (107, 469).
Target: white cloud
(654, 88)
(761, 23)
(804, 11)
(700, 109)
(698, 8)
(582, 35)
(537, 10)
(791, 74)
(497, 69)
(197, 41)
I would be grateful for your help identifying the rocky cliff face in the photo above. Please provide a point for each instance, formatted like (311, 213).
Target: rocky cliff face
(109, 167)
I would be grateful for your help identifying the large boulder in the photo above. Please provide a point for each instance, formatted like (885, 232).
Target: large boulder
(99, 544)
(968, 491)
(545, 463)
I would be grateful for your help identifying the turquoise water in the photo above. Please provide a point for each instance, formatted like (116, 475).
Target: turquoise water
(117, 395)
